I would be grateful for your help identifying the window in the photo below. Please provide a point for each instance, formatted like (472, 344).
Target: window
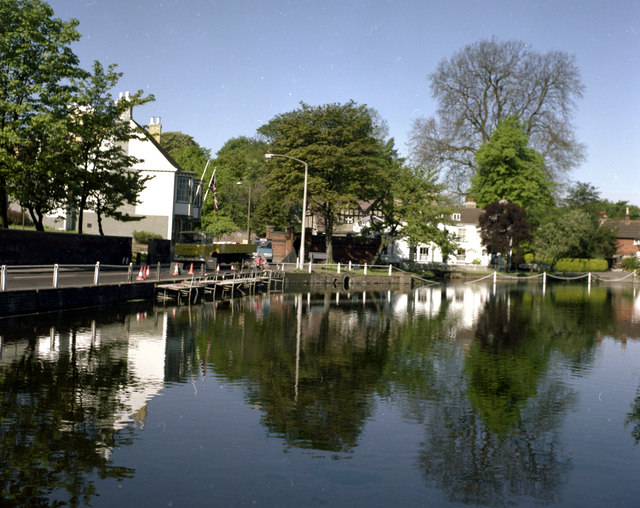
(423, 254)
(455, 216)
(183, 191)
(462, 234)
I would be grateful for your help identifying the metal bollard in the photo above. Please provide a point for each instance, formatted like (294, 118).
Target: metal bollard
(3, 278)
(158, 272)
(56, 270)
(130, 273)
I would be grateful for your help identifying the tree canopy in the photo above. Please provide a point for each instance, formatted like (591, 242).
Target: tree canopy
(508, 168)
(99, 127)
(486, 82)
(343, 145)
(36, 64)
(503, 226)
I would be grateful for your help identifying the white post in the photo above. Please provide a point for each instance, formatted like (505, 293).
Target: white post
(3, 278)
(349, 265)
(365, 268)
(56, 269)
(310, 264)
(589, 282)
(96, 274)
(495, 276)
(390, 270)
(130, 273)
(338, 267)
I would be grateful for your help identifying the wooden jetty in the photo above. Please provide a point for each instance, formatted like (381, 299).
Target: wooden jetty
(219, 286)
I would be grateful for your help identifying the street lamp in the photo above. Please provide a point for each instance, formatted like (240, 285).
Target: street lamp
(304, 199)
(248, 212)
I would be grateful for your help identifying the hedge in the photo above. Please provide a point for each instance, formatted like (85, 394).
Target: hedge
(582, 265)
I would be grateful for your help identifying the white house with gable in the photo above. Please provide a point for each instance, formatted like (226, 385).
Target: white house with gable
(170, 201)
(463, 226)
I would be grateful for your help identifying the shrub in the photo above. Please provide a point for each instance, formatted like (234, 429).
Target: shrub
(630, 263)
(476, 262)
(582, 265)
(528, 257)
(143, 237)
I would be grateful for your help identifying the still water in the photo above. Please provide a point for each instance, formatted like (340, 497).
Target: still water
(444, 396)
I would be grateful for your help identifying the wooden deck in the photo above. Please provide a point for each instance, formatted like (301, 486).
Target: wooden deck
(220, 287)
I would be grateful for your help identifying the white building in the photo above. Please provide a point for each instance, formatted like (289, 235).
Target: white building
(168, 204)
(463, 226)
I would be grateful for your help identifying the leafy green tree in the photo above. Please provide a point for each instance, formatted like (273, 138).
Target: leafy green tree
(486, 82)
(100, 127)
(343, 145)
(508, 168)
(36, 64)
(574, 234)
(411, 206)
(503, 226)
(185, 151)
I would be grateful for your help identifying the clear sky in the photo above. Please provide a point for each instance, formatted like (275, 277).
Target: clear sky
(222, 68)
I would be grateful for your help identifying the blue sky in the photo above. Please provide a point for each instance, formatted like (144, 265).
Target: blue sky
(221, 69)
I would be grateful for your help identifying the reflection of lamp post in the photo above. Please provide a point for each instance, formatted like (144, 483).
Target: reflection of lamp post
(248, 213)
(304, 199)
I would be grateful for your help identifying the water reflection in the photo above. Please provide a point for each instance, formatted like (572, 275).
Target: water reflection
(484, 376)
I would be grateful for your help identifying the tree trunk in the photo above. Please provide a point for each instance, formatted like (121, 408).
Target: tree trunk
(4, 209)
(99, 217)
(328, 232)
(36, 219)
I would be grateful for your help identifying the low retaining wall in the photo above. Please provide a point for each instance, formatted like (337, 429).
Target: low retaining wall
(33, 301)
(346, 280)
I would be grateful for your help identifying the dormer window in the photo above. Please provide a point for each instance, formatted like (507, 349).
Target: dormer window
(455, 216)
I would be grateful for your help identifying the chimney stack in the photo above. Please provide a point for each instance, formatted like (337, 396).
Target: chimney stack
(155, 128)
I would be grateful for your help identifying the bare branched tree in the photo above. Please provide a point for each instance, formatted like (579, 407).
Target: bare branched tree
(483, 84)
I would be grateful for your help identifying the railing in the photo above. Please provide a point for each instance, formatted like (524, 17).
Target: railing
(15, 277)
(311, 267)
(630, 277)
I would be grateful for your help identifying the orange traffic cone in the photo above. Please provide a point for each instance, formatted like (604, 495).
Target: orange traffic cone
(191, 269)
(218, 267)
(176, 270)
(140, 274)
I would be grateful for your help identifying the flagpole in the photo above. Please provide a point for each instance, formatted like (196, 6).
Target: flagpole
(200, 184)
(209, 186)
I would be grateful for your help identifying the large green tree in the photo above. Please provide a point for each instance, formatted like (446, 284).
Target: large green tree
(36, 64)
(508, 168)
(574, 233)
(185, 151)
(343, 145)
(240, 180)
(410, 206)
(100, 128)
(486, 82)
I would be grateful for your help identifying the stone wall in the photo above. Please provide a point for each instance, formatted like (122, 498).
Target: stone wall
(18, 247)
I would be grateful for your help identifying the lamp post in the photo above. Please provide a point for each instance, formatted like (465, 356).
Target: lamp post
(304, 199)
(248, 212)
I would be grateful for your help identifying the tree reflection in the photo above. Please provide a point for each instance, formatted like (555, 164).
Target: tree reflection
(57, 420)
(319, 397)
(493, 412)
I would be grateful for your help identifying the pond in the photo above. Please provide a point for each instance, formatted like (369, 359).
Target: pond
(444, 396)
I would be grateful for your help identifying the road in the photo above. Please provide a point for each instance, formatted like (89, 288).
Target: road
(40, 277)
